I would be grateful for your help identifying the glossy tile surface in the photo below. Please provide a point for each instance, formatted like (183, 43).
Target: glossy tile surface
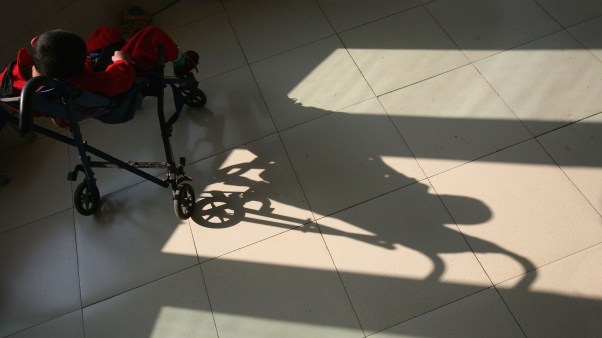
(244, 196)
(452, 119)
(532, 205)
(349, 156)
(134, 238)
(321, 78)
(576, 149)
(400, 256)
(568, 286)
(391, 168)
(548, 83)
(38, 273)
(411, 47)
(172, 306)
(284, 286)
(485, 27)
(457, 320)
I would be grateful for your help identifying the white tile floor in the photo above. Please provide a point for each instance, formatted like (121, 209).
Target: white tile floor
(364, 168)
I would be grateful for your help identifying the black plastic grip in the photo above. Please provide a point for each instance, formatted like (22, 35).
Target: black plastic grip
(26, 104)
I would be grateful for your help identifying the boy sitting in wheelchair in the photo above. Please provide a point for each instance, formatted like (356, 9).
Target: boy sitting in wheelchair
(104, 64)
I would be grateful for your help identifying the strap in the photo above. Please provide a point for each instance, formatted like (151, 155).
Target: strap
(6, 83)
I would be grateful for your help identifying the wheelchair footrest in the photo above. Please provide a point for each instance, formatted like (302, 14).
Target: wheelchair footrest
(134, 164)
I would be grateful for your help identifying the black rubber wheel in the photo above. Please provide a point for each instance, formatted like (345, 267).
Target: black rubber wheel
(86, 198)
(184, 200)
(195, 97)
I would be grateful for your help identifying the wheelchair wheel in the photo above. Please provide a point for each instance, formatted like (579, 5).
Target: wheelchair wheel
(194, 97)
(184, 200)
(86, 199)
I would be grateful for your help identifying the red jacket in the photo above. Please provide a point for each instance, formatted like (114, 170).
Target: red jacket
(116, 79)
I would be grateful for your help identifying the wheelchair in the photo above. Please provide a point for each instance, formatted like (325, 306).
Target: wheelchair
(59, 99)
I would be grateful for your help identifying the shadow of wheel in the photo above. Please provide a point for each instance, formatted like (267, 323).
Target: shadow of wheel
(218, 211)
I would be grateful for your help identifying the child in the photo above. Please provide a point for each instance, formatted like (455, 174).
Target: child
(61, 54)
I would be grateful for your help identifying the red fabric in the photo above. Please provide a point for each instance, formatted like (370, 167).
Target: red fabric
(143, 47)
(101, 37)
(115, 80)
(119, 76)
(21, 72)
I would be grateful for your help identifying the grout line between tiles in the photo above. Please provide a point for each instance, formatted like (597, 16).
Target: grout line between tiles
(208, 298)
(568, 177)
(432, 310)
(476, 257)
(550, 263)
(139, 286)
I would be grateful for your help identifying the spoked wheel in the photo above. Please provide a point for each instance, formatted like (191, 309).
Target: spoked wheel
(194, 97)
(219, 211)
(86, 198)
(184, 200)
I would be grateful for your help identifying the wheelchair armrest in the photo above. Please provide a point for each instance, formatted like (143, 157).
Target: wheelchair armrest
(28, 94)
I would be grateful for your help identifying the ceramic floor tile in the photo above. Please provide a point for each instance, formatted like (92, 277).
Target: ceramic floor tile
(10, 136)
(233, 3)
(576, 148)
(185, 11)
(133, 239)
(410, 47)
(175, 306)
(44, 9)
(484, 27)
(348, 157)
(135, 140)
(320, 77)
(589, 34)
(69, 325)
(245, 195)
(284, 286)
(37, 171)
(565, 299)
(547, 83)
(57, 19)
(12, 26)
(479, 315)
(235, 114)
(452, 119)
(537, 214)
(345, 14)
(79, 15)
(401, 255)
(38, 273)
(268, 27)
(570, 12)
(214, 40)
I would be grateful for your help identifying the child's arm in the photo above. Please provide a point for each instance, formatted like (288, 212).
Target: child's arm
(117, 79)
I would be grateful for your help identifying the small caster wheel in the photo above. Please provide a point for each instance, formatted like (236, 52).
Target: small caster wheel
(86, 198)
(194, 97)
(184, 200)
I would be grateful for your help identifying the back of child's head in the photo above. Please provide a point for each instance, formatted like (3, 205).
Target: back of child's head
(59, 54)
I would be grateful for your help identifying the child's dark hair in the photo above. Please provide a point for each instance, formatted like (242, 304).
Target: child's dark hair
(59, 54)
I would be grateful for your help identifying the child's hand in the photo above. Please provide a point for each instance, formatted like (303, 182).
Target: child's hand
(119, 55)
(34, 71)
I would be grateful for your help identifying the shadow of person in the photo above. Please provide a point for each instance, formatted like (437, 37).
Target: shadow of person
(221, 209)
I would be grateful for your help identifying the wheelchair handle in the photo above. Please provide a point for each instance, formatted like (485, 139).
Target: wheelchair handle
(28, 97)
(25, 106)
